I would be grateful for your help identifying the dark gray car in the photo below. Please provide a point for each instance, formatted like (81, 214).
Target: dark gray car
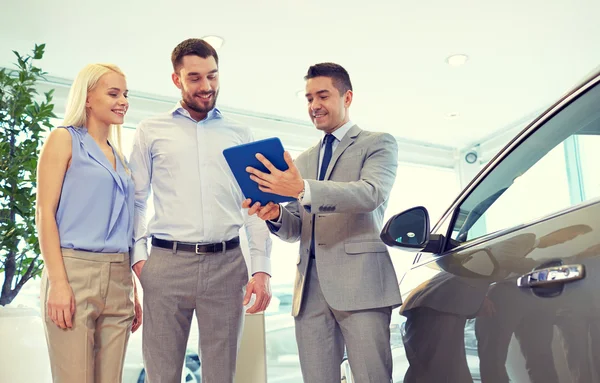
(506, 286)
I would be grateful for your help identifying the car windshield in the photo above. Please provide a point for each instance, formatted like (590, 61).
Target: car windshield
(575, 124)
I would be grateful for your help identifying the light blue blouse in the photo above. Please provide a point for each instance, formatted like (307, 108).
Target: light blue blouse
(95, 211)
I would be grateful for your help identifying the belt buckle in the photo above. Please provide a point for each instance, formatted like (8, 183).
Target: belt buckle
(198, 251)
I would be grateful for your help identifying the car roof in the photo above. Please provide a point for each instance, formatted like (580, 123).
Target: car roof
(585, 79)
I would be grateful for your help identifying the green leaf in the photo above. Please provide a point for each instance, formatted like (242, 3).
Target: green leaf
(22, 121)
(38, 51)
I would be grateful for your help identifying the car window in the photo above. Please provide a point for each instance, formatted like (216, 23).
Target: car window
(553, 169)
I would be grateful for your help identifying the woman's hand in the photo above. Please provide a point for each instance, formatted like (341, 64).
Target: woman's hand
(61, 303)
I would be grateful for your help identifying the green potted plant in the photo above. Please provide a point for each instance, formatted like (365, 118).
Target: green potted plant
(24, 117)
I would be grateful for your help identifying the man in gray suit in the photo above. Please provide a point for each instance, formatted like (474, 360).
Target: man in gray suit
(345, 285)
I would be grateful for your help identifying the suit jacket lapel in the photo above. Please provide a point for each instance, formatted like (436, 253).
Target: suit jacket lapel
(344, 144)
(313, 162)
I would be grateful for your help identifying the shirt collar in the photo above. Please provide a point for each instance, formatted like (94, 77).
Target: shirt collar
(340, 132)
(213, 114)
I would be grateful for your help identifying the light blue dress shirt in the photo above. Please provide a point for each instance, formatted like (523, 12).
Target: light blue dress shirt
(196, 197)
(95, 210)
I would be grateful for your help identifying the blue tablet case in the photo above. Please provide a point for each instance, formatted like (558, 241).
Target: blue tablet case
(241, 156)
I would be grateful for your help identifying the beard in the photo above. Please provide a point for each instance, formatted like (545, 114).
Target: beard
(194, 105)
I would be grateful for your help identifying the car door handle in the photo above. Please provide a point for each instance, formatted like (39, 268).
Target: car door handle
(552, 275)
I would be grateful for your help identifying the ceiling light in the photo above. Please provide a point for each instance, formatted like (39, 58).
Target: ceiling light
(216, 41)
(452, 116)
(457, 60)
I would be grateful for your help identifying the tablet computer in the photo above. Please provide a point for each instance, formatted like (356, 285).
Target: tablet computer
(241, 156)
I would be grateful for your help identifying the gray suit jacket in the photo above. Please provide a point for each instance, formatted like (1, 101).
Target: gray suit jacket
(354, 266)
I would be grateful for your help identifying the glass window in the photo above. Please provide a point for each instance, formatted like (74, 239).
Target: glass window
(419, 185)
(553, 169)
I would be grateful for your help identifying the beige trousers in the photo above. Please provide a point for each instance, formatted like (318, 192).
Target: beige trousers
(94, 349)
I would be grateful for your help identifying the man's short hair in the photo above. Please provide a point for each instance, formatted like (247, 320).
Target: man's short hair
(192, 47)
(339, 76)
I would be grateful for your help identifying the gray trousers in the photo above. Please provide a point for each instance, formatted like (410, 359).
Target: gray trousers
(322, 332)
(175, 285)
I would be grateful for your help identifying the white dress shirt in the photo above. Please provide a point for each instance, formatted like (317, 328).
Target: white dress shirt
(196, 197)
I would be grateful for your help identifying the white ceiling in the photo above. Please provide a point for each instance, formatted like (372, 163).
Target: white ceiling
(523, 53)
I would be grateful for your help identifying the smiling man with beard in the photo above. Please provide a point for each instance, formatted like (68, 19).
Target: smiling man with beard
(196, 262)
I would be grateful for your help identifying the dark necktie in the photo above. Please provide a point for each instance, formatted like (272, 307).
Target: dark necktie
(324, 165)
(329, 138)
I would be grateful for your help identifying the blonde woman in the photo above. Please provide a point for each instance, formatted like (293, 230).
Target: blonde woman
(84, 218)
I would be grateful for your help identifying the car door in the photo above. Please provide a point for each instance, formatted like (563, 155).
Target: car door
(506, 286)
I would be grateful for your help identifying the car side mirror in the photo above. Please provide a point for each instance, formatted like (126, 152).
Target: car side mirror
(409, 229)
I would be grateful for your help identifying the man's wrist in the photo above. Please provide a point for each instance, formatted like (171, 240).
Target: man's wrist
(300, 193)
(261, 274)
(278, 213)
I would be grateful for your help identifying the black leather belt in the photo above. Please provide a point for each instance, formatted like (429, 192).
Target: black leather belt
(197, 248)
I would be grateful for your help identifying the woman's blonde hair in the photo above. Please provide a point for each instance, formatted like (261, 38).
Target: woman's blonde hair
(76, 112)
